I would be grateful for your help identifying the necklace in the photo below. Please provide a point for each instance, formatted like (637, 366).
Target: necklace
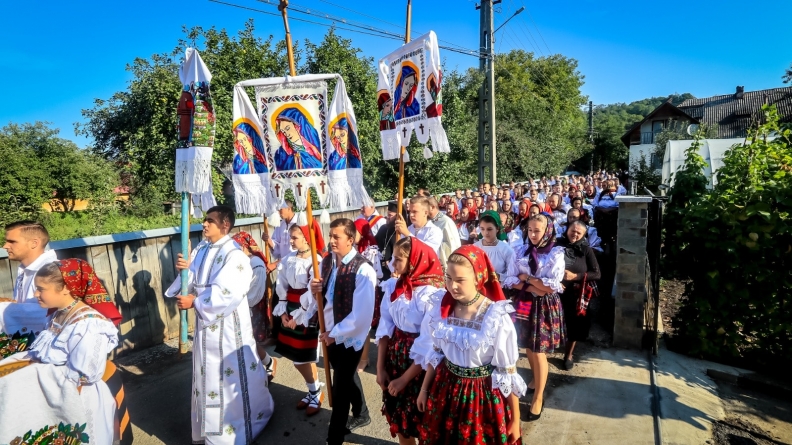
(471, 302)
(303, 252)
(68, 308)
(487, 243)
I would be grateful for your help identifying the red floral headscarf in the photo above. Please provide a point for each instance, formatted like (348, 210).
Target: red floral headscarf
(318, 238)
(82, 282)
(366, 236)
(425, 270)
(247, 242)
(486, 279)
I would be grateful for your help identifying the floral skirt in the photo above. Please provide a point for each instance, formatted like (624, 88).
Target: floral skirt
(401, 410)
(540, 323)
(464, 409)
(377, 302)
(259, 316)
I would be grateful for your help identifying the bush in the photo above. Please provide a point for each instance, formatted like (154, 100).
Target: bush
(734, 243)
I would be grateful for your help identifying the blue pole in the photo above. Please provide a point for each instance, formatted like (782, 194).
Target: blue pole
(185, 245)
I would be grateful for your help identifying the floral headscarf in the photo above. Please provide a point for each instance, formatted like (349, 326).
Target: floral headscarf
(247, 242)
(82, 282)
(366, 236)
(318, 238)
(545, 245)
(425, 270)
(486, 279)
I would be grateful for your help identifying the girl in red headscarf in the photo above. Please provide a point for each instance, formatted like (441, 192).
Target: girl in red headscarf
(298, 332)
(68, 358)
(367, 246)
(408, 299)
(468, 346)
(257, 298)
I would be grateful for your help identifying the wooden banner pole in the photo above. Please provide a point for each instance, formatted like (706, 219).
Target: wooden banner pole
(284, 4)
(403, 148)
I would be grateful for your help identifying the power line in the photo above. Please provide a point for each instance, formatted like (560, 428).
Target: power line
(537, 27)
(367, 30)
(364, 15)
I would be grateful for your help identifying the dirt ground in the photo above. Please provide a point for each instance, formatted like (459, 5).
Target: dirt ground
(670, 298)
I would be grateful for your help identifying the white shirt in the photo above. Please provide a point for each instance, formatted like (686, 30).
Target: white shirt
(500, 255)
(353, 330)
(258, 287)
(23, 286)
(293, 272)
(488, 339)
(606, 201)
(402, 313)
(281, 239)
(451, 241)
(515, 238)
(550, 270)
(430, 234)
(381, 221)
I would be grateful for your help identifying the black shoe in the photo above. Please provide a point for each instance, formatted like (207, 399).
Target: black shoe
(534, 417)
(569, 364)
(358, 422)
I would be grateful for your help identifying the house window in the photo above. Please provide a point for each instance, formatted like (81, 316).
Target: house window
(657, 161)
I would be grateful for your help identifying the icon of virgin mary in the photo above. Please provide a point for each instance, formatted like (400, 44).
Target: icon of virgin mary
(346, 153)
(248, 150)
(299, 142)
(407, 105)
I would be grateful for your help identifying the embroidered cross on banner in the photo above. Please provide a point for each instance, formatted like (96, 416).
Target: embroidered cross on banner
(299, 189)
(404, 131)
(277, 190)
(322, 184)
(422, 128)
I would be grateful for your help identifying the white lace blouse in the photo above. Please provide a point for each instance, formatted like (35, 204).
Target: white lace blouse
(500, 255)
(81, 344)
(402, 313)
(487, 339)
(293, 271)
(550, 270)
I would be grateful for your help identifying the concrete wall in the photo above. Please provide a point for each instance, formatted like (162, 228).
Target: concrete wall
(632, 271)
(136, 268)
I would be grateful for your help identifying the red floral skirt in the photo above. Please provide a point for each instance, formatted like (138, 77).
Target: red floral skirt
(402, 410)
(464, 409)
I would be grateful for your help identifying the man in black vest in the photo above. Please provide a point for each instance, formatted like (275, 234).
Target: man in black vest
(347, 287)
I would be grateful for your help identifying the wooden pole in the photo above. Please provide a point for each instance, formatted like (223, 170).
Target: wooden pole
(268, 257)
(284, 4)
(184, 275)
(403, 148)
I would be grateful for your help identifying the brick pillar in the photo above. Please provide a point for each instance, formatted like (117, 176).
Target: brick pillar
(632, 272)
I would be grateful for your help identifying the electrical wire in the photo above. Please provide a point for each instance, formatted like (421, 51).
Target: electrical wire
(537, 27)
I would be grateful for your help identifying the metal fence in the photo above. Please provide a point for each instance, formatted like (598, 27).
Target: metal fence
(654, 240)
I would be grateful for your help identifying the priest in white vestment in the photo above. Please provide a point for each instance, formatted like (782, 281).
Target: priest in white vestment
(231, 402)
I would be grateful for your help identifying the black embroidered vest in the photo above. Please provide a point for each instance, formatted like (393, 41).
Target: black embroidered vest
(344, 284)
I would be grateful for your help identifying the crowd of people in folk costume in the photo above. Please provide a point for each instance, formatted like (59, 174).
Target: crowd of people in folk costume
(450, 290)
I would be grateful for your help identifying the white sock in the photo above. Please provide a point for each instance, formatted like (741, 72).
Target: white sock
(267, 360)
(313, 387)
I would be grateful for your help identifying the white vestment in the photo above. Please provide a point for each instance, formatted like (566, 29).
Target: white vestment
(231, 403)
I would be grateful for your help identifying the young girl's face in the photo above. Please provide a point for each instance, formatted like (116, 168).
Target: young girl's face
(536, 230)
(49, 296)
(401, 264)
(297, 240)
(488, 231)
(460, 280)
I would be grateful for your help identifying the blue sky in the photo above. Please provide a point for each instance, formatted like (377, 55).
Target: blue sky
(57, 57)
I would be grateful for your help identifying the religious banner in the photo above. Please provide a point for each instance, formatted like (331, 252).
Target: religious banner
(293, 117)
(345, 162)
(251, 174)
(196, 128)
(409, 97)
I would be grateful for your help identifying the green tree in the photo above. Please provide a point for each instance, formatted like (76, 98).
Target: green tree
(24, 185)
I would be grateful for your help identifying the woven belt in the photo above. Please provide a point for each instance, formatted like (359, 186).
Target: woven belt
(470, 373)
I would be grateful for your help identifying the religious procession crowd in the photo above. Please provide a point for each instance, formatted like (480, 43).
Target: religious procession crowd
(450, 290)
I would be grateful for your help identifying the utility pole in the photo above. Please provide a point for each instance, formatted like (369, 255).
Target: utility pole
(486, 127)
(591, 133)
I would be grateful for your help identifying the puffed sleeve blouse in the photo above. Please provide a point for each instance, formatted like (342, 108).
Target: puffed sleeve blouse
(487, 339)
(550, 270)
(402, 313)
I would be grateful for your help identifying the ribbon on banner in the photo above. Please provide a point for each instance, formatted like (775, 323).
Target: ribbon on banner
(409, 98)
(196, 128)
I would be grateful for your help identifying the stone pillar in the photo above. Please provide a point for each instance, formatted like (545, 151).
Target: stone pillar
(632, 271)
